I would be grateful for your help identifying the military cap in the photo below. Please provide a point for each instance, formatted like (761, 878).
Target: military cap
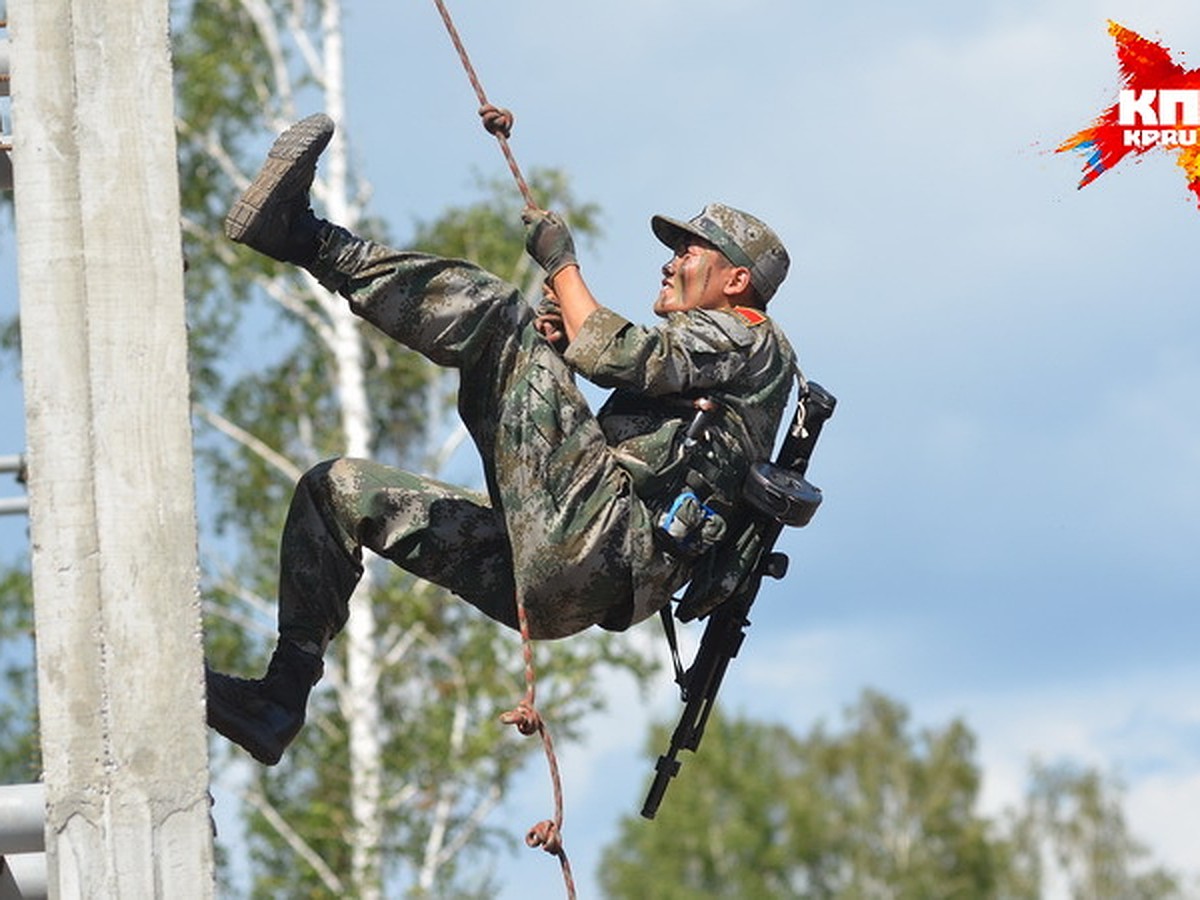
(744, 239)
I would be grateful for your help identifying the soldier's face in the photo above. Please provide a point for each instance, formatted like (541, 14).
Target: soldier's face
(698, 276)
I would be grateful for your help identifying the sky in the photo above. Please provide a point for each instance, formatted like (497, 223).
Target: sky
(1012, 500)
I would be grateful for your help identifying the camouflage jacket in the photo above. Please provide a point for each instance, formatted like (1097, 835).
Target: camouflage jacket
(739, 358)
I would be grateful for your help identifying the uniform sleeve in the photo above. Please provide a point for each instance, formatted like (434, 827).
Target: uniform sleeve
(695, 350)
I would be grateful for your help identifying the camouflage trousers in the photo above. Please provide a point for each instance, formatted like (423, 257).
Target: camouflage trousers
(560, 525)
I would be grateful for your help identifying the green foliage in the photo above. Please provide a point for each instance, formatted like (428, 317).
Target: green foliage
(20, 754)
(873, 810)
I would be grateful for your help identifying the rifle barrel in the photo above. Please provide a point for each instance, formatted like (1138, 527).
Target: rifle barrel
(666, 768)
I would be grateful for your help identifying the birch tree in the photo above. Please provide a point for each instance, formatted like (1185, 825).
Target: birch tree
(390, 785)
(1073, 832)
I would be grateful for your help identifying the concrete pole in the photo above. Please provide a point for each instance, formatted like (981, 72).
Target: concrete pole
(112, 507)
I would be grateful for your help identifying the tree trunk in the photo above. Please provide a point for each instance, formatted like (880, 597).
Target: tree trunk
(360, 700)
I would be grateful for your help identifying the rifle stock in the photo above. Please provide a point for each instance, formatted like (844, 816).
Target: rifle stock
(729, 618)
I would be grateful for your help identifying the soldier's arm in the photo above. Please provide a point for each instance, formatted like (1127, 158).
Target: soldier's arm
(692, 352)
(575, 298)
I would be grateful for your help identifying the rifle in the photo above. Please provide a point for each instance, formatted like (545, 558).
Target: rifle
(778, 495)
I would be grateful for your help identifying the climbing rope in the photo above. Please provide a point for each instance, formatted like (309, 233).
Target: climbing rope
(546, 834)
(498, 122)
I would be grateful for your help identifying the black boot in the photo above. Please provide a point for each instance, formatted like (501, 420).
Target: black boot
(273, 215)
(263, 715)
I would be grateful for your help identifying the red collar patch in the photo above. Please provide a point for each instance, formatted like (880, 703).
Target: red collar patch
(752, 316)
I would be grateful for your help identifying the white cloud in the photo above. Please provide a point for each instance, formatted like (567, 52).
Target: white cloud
(1164, 812)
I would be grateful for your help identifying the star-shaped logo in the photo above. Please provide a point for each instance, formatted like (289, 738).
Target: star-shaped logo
(1158, 107)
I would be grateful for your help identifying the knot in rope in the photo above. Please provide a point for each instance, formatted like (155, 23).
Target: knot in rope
(498, 124)
(496, 121)
(545, 835)
(527, 719)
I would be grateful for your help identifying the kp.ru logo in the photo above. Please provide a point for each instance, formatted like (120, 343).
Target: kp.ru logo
(1158, 107)
(1158, 113)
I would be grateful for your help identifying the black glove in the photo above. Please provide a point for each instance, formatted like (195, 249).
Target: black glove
(548, 240)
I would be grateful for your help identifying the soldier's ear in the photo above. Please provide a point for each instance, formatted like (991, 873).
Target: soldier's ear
(737, 283)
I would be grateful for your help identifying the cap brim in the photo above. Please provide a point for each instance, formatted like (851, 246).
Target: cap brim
(669, 231)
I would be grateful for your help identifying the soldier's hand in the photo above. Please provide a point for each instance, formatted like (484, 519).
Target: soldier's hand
(548, 240)
(548, 320)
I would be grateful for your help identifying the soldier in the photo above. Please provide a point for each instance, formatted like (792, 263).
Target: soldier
(593, 519)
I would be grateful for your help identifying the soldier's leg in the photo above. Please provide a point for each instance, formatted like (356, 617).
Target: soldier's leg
(445, 309)
(581, 541)
(459, 315)
(451, 311)
(569, 509)
(433, 530)
(567, 505)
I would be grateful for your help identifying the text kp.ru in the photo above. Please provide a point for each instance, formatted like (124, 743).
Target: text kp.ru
(1151, 117)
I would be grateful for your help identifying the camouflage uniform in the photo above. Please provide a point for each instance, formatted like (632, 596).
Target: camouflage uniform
(571, 520)
(572, 497)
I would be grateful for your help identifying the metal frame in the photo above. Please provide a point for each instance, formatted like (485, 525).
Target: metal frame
(13, 505)
(23, 842)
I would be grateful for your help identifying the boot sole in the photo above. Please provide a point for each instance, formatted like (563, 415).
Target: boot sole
(291, 159)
